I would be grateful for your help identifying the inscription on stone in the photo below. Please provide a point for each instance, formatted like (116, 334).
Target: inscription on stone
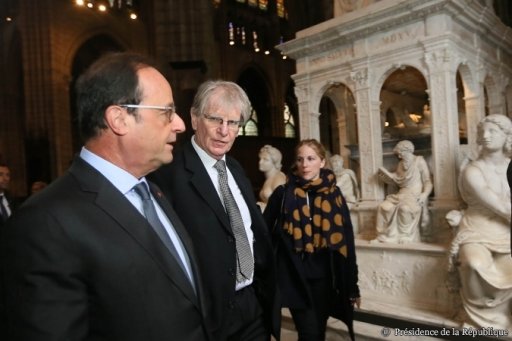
(336, 55)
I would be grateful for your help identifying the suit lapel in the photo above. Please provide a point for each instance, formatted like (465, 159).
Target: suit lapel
(115, 204)
(185, 238)
(200, 179)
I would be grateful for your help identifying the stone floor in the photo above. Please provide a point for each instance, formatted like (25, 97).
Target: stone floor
(337, 331)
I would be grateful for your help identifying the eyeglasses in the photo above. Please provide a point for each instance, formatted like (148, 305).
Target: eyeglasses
(169, 111)
(219, 122)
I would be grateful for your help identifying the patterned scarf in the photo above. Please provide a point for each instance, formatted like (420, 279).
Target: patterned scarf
(318, 224)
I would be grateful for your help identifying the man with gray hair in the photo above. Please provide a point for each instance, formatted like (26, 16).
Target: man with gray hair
(212, 195)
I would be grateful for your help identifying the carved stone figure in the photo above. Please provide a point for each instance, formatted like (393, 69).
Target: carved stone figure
(401, 215)
(480, 251)
(346, 180)
(270, 164)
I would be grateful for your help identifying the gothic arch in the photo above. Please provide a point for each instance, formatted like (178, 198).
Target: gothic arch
(84, 56)
(259, 91)
(12, 118)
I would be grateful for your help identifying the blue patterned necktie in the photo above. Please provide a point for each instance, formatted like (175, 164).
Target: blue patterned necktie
(152, 217)
(245, 261)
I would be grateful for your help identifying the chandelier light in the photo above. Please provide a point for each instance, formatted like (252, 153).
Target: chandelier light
(123, 7)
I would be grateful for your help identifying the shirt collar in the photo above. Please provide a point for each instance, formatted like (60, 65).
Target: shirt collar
(206, 159)
(120, 178)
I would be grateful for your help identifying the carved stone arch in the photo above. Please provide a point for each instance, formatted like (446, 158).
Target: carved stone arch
(342, 121)
(403, 89)
(468, 80)
(381, 75)
(468, 103)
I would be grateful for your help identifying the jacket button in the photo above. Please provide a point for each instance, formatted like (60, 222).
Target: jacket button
(230, 239)
(231, 271)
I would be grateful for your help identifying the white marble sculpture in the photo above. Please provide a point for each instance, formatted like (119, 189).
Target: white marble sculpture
(270, 164)
(401, 215)
(346, 180)
(480, 251)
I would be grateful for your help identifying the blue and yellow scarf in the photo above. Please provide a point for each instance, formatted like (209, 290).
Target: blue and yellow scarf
(318, 224)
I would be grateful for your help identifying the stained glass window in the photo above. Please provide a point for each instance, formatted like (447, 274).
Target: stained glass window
(289, 122)
(263, 4)
(281, 11)
(251, 126)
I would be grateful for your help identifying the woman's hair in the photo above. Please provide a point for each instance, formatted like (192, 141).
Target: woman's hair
(230, 93)
(315, 145)
(504, 123)
(274, 153)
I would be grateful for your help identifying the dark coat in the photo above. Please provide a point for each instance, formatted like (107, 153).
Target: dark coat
(13, 202)
(79, 262)
(188, 186)
(292, 281)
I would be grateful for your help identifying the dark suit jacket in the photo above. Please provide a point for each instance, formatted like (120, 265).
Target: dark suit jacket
(79, 262)
(188, 186)
(13, 204)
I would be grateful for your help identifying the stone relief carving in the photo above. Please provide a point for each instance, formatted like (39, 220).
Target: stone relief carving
(360, 77)
(480, 265)
(402, 215)
(387, 282)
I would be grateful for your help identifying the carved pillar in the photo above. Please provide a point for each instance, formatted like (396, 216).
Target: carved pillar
(497, 101)
(308, 119)
(369, 131)
(442, 65)
(474, 113)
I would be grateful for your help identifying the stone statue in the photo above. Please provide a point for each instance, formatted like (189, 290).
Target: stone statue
(346, 180)
(480, 251)
(401, 215)
(270, 164)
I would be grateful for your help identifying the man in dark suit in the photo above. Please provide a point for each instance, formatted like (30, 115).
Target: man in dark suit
(235, 254)
(7, 203)
(95, 256)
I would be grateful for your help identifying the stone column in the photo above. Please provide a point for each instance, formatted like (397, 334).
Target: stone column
(442, 65)
(474, 113)
(369, 132)
(308, 118)
(370, 151)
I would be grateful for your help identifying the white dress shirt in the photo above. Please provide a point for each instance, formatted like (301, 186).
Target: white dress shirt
(209, 163)
(125, 182)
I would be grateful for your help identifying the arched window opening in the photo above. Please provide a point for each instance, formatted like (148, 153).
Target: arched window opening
(250, 128)
(289, 122)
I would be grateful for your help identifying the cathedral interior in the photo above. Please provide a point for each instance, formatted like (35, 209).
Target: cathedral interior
(47, 44)
(274, 50)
